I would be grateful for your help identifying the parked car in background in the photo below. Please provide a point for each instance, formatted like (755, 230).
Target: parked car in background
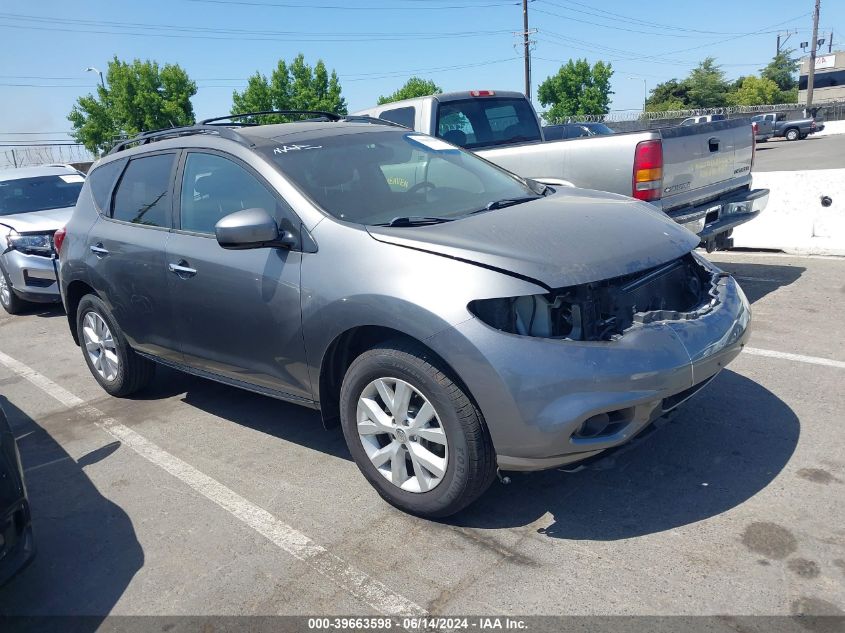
(34, 203)
(574, 130)
(699, 175)
(17, 547)
(704, 118)
(763, 129)
(791, 130)
(455, 317)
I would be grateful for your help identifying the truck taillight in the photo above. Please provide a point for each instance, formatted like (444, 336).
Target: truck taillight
(482, 93)
(59, 239)
(647, 182)
(754, 130)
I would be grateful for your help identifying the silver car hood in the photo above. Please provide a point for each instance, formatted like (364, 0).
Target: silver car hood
(47, 220)
(572, 237)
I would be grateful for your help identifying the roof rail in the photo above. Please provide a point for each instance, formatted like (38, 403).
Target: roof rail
(331, 116)
(173, 132)
(224, 130)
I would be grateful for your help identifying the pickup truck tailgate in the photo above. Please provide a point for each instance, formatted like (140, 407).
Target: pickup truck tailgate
(704, 161)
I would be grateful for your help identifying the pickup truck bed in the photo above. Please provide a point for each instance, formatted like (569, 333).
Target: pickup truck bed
(700, 175)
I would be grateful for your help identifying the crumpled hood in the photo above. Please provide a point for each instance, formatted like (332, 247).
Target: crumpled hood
(572, 237)
(47, 220)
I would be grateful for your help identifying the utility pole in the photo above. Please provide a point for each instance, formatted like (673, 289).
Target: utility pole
(14, 158)
(526, 45)
(814, 44)
(777, 52)
(830, 43)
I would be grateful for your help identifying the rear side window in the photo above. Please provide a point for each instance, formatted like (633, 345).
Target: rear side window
(143, 195)
(402, 116)
(101, 181)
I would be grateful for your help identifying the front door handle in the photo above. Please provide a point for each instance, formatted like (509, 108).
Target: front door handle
(182, 269)
(98, 249)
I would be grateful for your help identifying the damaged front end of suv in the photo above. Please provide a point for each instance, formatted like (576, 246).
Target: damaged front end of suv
(602, 311)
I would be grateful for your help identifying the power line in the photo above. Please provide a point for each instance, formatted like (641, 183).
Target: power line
(610, 15)
(193, 33)
(337, 7)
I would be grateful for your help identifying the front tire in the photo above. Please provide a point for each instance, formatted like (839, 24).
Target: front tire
(11, 302)
(414, 432)
(113, 363)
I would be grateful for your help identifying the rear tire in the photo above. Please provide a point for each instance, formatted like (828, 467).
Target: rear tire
(470, 460)
(113, 363)
(792, 134)
(11, 302)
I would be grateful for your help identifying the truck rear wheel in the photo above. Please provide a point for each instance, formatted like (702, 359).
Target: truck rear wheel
(792, 134)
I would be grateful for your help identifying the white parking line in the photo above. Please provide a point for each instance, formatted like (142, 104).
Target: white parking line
(285, 537)
(813, 360)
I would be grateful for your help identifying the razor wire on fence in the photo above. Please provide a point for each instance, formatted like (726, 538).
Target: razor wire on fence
(33, 155)
(831, 111)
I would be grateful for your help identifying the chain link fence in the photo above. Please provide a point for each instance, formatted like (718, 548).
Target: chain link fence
(633, 120)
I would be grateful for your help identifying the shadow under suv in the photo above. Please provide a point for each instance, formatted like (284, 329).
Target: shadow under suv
(452, 316)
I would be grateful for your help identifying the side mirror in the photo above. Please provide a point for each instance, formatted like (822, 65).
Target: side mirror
(251, 228)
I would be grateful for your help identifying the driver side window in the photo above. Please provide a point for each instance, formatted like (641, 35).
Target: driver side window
(213, 187)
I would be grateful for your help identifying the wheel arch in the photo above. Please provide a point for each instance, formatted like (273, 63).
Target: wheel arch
(73, 295)
(350, 344)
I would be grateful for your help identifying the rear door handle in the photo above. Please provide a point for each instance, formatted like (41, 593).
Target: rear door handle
(98, 250)
(182, 269)
(713, 143)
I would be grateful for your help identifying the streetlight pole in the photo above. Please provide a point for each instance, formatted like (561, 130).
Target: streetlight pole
(645, 90)
(91, 69)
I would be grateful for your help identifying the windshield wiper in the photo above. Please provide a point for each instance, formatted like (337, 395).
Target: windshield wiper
(506, 202)
(415, 220)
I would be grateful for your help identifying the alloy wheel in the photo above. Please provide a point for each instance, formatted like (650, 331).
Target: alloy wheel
(402, 435)
(5, 291)
(99, 345)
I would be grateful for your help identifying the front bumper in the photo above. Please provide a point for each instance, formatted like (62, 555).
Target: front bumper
(537, 394)
(33, 277)
(719, 216)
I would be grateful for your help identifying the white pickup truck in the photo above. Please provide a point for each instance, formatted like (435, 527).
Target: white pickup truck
(700, 175)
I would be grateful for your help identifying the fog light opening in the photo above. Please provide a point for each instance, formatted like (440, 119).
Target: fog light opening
(604, 424)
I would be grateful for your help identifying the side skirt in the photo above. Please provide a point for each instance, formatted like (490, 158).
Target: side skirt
(264, 391)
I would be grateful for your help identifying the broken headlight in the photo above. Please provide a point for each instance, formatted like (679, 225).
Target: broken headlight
(32, 243)
(602, 310)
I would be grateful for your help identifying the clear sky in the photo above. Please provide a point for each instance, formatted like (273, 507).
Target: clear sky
(374, 45)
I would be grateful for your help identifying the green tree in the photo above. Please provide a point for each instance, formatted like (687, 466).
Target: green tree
(414, 87)
(297, 86)
(577, 89)
(706, 85)
(140, 96)
(669, 95)
(755, 91)
(782, 70)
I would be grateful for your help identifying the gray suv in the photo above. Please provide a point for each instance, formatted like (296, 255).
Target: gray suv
(453, 317)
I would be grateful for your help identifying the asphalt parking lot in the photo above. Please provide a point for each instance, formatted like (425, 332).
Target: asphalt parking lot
(813, 152)
(197, 498)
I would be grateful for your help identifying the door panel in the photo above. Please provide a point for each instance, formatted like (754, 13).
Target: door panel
(127, 258)
(238, 315)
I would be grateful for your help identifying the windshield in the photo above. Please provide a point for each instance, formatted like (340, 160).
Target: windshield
(377, 176)
(37, 194)
(598, 128)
